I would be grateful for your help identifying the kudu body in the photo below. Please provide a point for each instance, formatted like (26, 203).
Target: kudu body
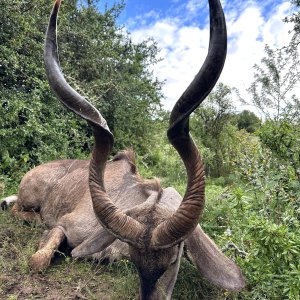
(104, 208)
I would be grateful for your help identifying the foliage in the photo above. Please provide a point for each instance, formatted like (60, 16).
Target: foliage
(248, 120)
(252, 192)
(210, 124)
(273, 94)
(113, 72)
(283, 138)
(258, 226)
(295, 19)
(275, 80)
(264, 221)
(99, 58)
(162, 160)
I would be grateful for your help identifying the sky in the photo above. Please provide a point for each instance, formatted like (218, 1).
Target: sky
(181, 29)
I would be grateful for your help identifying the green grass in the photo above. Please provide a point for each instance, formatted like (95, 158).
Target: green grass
(68, 278)
(265, 228)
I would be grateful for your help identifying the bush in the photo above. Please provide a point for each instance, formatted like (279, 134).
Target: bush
(260, 217)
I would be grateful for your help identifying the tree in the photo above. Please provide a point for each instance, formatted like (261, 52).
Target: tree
(275, 80)
(283, 138)
(248, 120)
(99, 60)
(295, 18)
(213, 118)
(273, 93)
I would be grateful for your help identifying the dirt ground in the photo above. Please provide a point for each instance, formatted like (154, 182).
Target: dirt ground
(65, 279)
(71, 279)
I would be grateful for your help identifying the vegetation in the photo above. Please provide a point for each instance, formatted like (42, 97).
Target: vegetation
(248, 120)
(252, 165)
(99, 58)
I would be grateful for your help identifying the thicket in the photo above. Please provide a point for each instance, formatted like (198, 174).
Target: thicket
(99, 60)
(252, 165)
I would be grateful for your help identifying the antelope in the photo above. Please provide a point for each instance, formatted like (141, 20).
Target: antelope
(104, 208)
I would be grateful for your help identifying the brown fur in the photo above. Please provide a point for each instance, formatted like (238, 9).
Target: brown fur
(148, 185)
(57, 194)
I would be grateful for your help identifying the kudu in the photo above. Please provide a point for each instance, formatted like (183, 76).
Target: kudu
(105, 208)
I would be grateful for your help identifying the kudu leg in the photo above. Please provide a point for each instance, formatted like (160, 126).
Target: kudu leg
(48, 245)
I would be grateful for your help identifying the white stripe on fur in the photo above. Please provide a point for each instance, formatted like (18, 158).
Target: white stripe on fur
(10, 199)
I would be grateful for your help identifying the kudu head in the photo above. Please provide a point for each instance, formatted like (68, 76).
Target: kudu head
(155, 234)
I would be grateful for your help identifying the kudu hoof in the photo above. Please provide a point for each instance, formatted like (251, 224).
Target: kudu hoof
(40, 260)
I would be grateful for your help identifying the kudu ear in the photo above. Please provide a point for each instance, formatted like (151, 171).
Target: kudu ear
(168, 280)
(212, 263)
(97, 242)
